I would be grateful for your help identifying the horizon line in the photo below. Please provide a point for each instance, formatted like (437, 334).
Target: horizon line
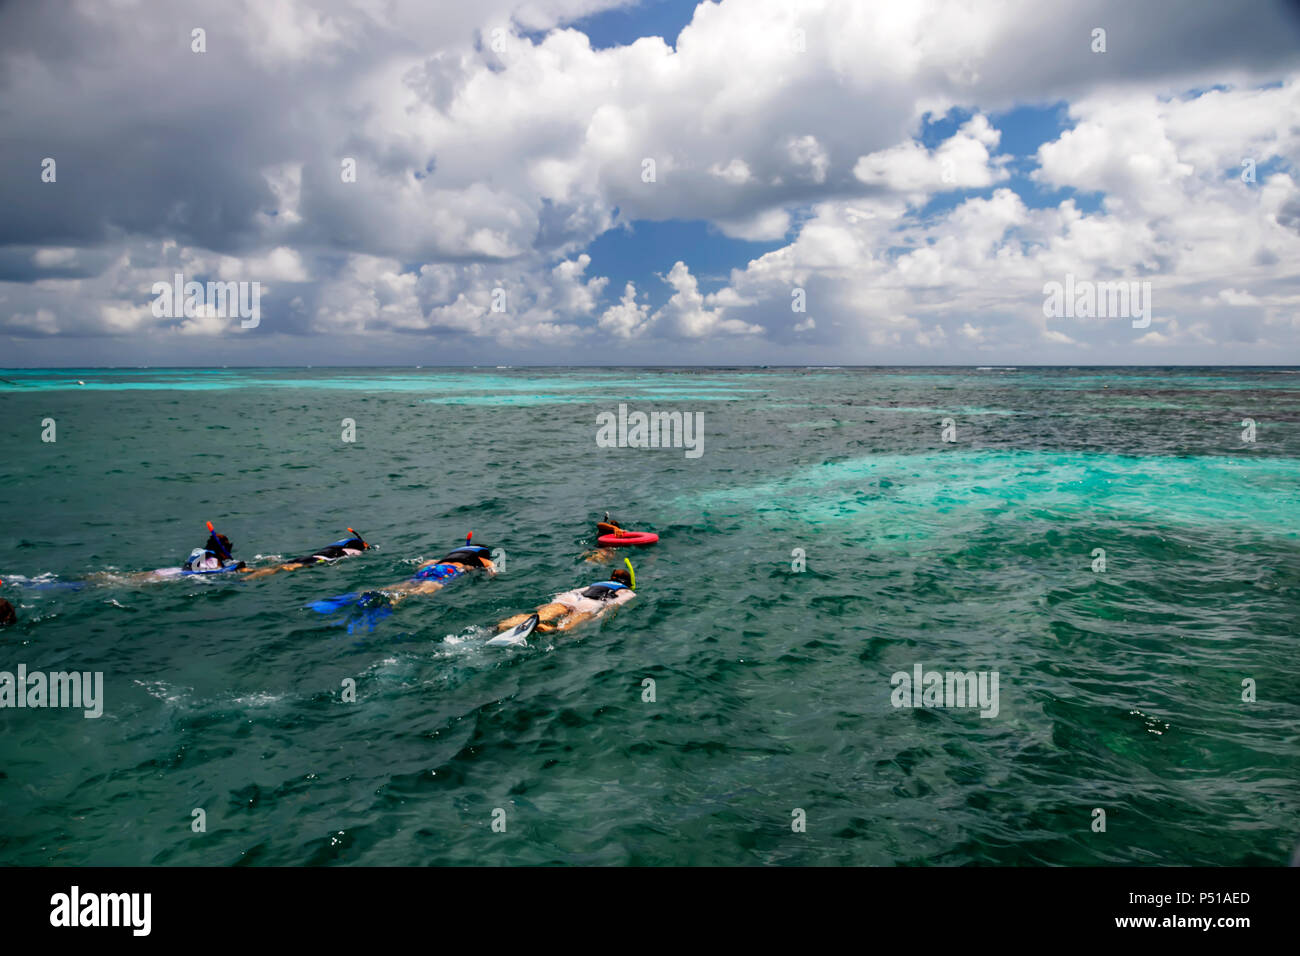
(141, 368)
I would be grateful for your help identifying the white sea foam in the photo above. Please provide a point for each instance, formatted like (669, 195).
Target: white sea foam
(260, 699)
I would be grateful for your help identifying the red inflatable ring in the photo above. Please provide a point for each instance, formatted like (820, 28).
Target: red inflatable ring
(627, 538)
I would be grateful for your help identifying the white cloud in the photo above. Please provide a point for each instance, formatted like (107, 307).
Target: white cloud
(53, 258)
(1232, 297)
(693, 315)
(767, 224)
(629, 318)
(281, 263)
(1208, 243)
(962, 161)
(481, 168)
(735, 172)
(809, 158)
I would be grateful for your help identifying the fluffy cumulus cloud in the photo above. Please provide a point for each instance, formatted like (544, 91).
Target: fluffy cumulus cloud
(961, 161)
(440, 173)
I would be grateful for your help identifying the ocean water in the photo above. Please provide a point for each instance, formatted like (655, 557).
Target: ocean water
(1119, 690)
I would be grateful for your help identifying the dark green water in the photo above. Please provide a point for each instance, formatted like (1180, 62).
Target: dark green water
(1119, 690)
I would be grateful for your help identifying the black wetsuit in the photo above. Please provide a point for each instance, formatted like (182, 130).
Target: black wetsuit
(470, 555)
(331, 552)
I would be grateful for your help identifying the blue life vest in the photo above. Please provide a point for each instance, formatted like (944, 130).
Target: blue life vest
(603, 590)
(437, 572)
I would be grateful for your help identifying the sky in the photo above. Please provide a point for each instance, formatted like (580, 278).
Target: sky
(604, 182)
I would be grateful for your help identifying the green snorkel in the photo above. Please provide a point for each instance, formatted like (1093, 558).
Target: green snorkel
(631, 573)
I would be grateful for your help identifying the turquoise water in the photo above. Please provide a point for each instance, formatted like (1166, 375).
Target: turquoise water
(1119, 689)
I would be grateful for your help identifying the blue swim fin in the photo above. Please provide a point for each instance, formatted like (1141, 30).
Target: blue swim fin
(368, 618)
(336, 603)
(373, 600)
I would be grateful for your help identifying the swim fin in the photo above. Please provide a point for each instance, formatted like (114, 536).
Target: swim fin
(517, 635)
(336, 603)
(361, 599)
(370, 616)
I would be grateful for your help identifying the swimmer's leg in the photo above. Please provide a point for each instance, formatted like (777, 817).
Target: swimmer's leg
(262, 572)
(550, 613)
(404, 590)
(576, 618)
(553, 616)
(547, 615)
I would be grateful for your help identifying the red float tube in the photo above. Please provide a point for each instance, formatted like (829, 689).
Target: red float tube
(627, 538)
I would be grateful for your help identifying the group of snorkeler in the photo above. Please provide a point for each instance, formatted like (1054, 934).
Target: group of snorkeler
(216, 556)
(562, 611)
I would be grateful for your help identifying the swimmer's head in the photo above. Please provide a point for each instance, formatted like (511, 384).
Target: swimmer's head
(7, 615)
(470, 555)
(622, 577)
(226, 547)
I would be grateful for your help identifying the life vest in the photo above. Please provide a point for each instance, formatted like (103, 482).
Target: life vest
(604, 590)
(438, 572)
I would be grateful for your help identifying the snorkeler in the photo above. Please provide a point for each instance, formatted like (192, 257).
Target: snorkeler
(213, 558)
(345, 548)
(611, 536)
(434, 575)
(603, 555)
(215, 555)
(429, 577)
(573, 607)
